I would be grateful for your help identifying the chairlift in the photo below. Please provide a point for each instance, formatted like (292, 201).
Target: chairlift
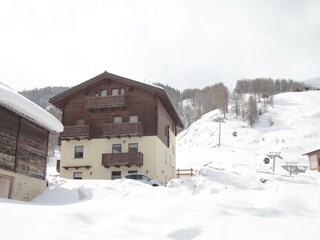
(266, 160)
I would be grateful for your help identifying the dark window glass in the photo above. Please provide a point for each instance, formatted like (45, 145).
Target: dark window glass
(78, 152)
(116, 175)
(77, 175)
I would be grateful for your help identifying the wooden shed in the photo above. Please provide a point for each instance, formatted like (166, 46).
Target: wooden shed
(314, 159)
(24, 136)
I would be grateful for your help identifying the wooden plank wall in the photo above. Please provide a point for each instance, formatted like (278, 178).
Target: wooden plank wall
(164, 123)
(138, 102)
(9, 123)
(23, 145)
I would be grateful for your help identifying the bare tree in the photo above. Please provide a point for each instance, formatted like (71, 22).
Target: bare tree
(252, 110)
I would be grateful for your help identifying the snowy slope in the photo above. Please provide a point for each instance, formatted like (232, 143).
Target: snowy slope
(295, 130)
(234, 195)
(314, 82)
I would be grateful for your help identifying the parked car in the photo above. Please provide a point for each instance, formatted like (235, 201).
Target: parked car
(143, 178)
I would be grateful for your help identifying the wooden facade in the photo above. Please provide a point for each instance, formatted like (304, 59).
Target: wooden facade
(90, 109)
(314, 159)
(23, 145)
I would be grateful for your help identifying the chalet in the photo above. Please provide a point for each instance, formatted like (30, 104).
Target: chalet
(24, 132)
(314, 159)
(114, 126)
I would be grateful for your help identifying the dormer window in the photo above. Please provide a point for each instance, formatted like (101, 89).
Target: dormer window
(117, 91)
(103, 93)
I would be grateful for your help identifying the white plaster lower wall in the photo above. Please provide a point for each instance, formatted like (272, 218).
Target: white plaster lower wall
(154, 161)
(23, 187)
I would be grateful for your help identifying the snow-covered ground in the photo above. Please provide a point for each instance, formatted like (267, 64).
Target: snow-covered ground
(233, 196)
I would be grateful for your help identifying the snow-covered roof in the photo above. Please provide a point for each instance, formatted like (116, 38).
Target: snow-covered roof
(26, 108)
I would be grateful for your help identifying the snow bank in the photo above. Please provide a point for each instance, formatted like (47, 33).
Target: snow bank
(28, 109)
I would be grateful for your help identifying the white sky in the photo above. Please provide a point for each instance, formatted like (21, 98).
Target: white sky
(183, 43)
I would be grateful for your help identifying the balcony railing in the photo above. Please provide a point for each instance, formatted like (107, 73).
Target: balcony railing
(122, 159)
(105, 102)
(75, 132)
(122, 129)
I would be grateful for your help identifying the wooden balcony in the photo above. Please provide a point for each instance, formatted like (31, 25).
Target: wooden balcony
(75, 132)
(105, 102)
(122, 159)
(122, 129)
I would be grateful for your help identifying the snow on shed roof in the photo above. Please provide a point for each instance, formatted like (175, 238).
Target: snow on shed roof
(26, 108)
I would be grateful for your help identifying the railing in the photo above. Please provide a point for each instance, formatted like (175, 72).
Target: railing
(105, 102)
(122, 159)
(78, 131)
(184, 172)
(122, 129)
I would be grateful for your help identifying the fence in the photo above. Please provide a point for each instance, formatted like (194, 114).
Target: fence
(184, 172)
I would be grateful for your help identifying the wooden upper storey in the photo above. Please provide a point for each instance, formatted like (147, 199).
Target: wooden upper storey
(112, 106)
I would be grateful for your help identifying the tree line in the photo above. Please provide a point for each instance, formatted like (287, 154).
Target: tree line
(192, 103)
(248, 100)
(251, 97)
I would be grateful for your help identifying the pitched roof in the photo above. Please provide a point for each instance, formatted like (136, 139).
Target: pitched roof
(164, 98)
(312, 152)
(24, 107)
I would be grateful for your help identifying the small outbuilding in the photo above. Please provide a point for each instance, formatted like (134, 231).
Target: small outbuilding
(314, 159)
(24, 137)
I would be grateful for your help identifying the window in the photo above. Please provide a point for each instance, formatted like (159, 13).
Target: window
(103, 93)
(77, 175)
(117, 119)
(116, 175)
(116, 148)
(133, 147)
(133, 119)
(132, 171)
(80, 121)
(78, 152)
(115, 91)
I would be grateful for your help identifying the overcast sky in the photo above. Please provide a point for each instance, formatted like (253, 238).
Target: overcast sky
(185, 43)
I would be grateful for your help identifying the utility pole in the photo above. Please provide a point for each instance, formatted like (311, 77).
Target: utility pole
(219, 133)
(219, 120)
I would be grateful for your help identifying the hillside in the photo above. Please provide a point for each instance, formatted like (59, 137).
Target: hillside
(232, 197)
(291, 127)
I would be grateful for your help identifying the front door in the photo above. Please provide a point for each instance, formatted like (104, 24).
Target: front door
(5, 184)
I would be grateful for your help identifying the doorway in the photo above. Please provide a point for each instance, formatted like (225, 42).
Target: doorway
(5, 185)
